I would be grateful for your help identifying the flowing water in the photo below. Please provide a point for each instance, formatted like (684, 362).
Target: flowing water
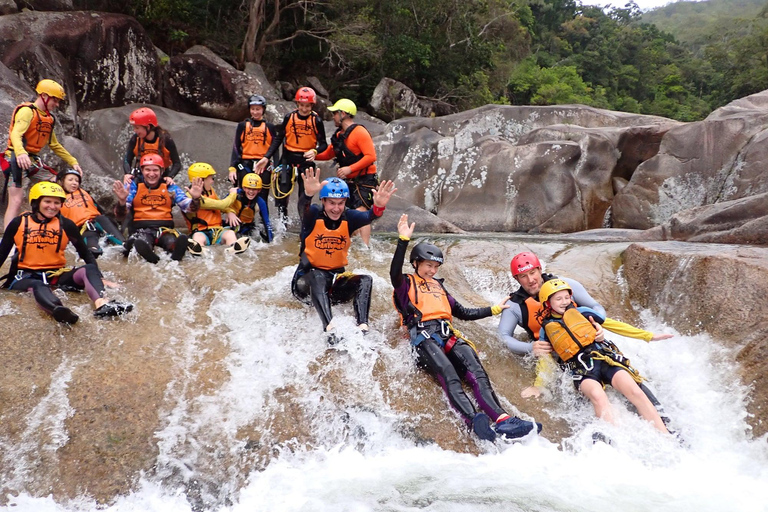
(219, 393)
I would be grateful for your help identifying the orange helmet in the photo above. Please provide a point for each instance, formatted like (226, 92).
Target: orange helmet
(306, 94)
(152, 159)
(143, 117)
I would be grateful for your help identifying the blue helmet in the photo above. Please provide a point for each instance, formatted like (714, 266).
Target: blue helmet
(335, 188)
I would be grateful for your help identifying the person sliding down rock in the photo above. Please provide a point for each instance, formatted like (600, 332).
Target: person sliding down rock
(427, 310)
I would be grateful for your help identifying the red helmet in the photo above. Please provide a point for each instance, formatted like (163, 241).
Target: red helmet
(306, 94)
(152, 159)
(524, 262)
(143, 117)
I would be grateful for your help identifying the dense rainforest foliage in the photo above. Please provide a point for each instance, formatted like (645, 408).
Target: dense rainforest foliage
(472, 52)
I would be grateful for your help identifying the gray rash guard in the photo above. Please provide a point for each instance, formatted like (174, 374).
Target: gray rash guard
(512, 317)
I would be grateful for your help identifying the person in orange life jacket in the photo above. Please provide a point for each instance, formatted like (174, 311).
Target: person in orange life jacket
(41, 237)
(320, 277)
(247, 203)
(148, 138)
(581, 347)
(302, 134)
(148, 207)
(352, 147)
(205, 224)
(85, 212)
(427, 309)
(31, 129)
(251, 150)
(524, 309)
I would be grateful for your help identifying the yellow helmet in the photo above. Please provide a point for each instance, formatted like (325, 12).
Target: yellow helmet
(252, 180)
(46, 189)
(344, 105)
(552, 286)
(200, 170)
(51, 88)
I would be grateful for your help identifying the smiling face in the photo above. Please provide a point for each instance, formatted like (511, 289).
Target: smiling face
(70, 183)
(50, 206)
(141, 131)
(531, 281)
(151, 174)
(334, 207)
(427, 269)
(559, 301)
(251, 193)
(257, 112)
(304, 107)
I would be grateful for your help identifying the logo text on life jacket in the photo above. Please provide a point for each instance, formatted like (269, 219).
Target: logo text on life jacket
(329, 244)
(43, 237)
(74, 201)
(430, 287)
(153, 200)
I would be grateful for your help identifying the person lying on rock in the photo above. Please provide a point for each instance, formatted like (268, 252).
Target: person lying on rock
(147, 208)
(427, 310)
(525, 311)
(205, 224)
(247, 205)
(149, 138)
(592, 360)
(40, 238)
(32, 128)
(321, 278)
(85, 212)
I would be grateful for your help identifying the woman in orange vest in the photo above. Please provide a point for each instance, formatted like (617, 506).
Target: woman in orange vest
(302, 134)
(41, 238)
(85, 212)
(32, 128)
(149, 138)
(427, 309)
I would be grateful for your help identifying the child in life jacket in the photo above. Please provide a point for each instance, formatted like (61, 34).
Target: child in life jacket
(205, 225)
(85, 212)
(149, 138)
(40, 238)
(592, 361)
(427, 310)
(247, 204)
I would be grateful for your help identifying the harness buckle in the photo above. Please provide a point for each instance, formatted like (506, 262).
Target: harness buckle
(19, 275)
(445, 328)
(589, 367)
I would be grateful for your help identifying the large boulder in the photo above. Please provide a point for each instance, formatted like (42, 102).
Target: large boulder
(110, 57)
(393, 100)
(716, 289)
(721, 158)
(47, 5)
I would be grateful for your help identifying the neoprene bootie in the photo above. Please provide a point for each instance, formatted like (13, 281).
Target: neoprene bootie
(513, 427)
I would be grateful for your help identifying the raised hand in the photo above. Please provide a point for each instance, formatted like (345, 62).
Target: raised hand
(312, 184)
(196, 189)
(403, 229)
(120, 191)
(383, 193)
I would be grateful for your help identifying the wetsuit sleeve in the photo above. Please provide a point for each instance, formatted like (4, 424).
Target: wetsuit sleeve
(60, 152)
(463, 313)
(322, 142)
(132, 190)
(358, 219)
(278, 137)
(180, 198)
(129, 156)
(73, 233)
(7, 243)
(170, 145)
(396, 267)
(510, 319)
(583, 298)
(237, 145)
(360, 142)
(225, 204)
(264, 214)
(328, 154)
(20, 125)
(626, 330)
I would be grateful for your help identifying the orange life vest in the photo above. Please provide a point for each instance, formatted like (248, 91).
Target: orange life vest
(244, 212)
(301, 134)
(79, 207)
(430, 298)
(157, 147)
(39, 132)
(570, 333)
(41, 245)
(152, 204)
(327, 249)
(202, 218)
(255, 140)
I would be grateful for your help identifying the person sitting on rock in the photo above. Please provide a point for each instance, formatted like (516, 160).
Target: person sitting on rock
(148, 206)
(302, 134)
(320, 278)
(251, 150)
(427, 310)
(32, 128)
(355, 154)
(40, 238)
(247, 203)
(592, 361)
(149, 138)
(85, 212)
(205, 224)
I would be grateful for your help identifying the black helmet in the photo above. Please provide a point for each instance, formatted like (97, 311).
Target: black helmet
(425, 251)
(257, 100)
(60, 176)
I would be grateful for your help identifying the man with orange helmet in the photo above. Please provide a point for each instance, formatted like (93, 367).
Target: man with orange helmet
(148, 137)
(302, 134)
(32, 128)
